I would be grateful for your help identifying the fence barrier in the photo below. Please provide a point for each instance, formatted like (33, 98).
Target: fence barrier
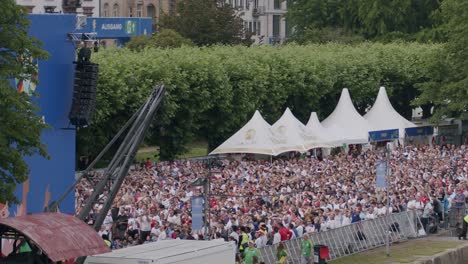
(353, 238)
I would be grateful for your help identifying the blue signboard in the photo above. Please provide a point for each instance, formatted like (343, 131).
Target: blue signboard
(117, 27)
(381, 171)
(419, 131)
(383, 135)
(197, 212)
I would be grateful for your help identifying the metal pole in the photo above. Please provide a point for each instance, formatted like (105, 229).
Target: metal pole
(387, 215)
(207, 205)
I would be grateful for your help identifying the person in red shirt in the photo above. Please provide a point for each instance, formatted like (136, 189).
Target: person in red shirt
(284, 232)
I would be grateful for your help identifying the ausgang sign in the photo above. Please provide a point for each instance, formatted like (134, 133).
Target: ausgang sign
(111, 27)
(117, 27)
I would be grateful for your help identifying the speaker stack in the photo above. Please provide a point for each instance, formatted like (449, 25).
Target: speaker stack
(84, 94)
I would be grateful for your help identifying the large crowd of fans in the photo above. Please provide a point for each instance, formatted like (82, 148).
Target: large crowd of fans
(262, 203)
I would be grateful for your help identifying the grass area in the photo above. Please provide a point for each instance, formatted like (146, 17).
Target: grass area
(405, 252)
(195, 149)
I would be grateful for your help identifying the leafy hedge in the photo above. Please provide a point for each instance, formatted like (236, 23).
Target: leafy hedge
(212, 92)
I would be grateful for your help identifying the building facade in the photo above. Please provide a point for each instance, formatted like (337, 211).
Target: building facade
(264, 19)
(86, 7)
(137, 8)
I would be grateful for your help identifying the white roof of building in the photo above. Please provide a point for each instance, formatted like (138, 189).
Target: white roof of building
(383, 116)
(346, 122)
(319, 136)
(254, 137)
(170, 251)
(288, 133)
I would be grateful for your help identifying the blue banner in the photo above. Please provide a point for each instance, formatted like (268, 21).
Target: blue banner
(197, 212)
(381, 171)
(383, 135)
(419, 131)
(117, 27)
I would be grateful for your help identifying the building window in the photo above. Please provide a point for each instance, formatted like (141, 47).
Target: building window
(277, 4)
(258, 28)
(115, 10)
(130, 12)
(276, 25)
(106, 10)
(29, 9)
(151, 11)
(88, 10)
(139, 11)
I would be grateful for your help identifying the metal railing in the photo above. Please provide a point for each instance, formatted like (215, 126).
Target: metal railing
(353, 238)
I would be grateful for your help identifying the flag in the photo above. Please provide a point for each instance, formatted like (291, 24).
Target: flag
(381, 173)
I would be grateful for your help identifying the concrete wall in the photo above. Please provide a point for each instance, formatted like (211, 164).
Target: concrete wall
(458, 255)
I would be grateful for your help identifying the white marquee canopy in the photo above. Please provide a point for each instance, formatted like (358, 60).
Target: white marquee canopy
(346, 122)
(319, 136)
(383, 116)
(343, 126)
(254, 137)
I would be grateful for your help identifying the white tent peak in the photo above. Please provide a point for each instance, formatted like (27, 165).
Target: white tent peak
(383, 116)
(350, 125)
(254, 137)
(287, 133)
(318, 135)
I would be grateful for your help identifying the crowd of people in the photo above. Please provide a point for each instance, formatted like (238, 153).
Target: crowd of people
(258, 203)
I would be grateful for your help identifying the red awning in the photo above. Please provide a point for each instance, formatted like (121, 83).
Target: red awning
(59, 236)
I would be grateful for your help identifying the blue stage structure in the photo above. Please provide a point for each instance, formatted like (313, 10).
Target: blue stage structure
(58, 33)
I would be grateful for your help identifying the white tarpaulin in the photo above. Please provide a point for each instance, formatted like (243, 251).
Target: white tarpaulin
(288, 133)
(382, 115)
(319, 136)
(346, 122)
(171, 251)
(254, 137)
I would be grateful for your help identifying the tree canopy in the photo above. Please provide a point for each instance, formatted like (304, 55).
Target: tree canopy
(20, 126)
(371, 19)
(206, 22)
(448, 89)
(213, 91)
(166, 38)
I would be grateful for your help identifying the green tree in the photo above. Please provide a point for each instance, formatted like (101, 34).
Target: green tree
(168, 38)
(20, 126)
(371, 19)
(212, 91)
(448, 89)
(206, 22)
(138, 43)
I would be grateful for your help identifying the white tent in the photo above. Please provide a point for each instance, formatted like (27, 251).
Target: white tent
(288, 133)
(254, 137)
(171, 251)
(383, 116)
(346, 122)
(319, 136)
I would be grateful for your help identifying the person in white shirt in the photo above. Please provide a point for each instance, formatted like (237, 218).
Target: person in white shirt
(145, 227)
(276, 236)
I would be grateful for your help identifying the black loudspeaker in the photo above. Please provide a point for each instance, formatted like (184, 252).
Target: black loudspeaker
(84, 94)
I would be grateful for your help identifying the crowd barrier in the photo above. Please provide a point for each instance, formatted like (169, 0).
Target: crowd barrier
(353, 238)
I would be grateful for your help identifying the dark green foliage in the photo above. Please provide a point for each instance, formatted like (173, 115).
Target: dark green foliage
(369, 19)
(448, 88)
(206, 22)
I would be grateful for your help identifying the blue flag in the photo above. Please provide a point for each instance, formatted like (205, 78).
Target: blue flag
(197, 212)
(381, 172)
